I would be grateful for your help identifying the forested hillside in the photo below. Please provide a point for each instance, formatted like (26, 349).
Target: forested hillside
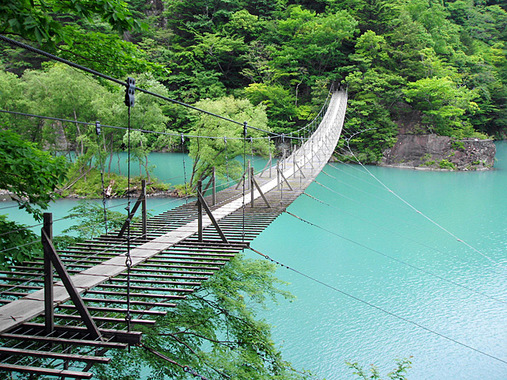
(440, 65)
(415, 66)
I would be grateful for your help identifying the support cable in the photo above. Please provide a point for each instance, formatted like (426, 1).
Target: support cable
(226, 159)
(7, 207)
(415, 209)
(245, 131)
(185, 368)
(129, 102)
(490, 269)
(102, 169)
(125, 128)
(20, 246)
(184, 165)
(385, 311)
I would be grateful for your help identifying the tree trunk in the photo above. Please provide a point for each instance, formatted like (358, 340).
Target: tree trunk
(110, 156)
(79, 132)
(119, 167)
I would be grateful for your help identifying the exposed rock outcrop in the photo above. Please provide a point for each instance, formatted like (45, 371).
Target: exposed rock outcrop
(440, 152)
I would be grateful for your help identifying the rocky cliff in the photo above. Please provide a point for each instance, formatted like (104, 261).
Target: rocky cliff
(440, 152)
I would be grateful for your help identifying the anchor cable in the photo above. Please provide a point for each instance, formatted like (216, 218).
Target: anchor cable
(185, 368)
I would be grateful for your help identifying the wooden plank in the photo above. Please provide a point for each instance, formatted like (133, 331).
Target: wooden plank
(143, 295)
(173, 275)
(132, 302)
(162, 262)
(54, 355)
(45, 371)
(156, 282)
(152, 288)
(199, 267)
(72, 342)
(16, 312)
(132, 337)
(107, 319)
(117, 310)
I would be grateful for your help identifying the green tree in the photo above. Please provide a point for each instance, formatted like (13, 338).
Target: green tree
(32, 177)
(61, 92)
(29, 173)
(402, 366)
(225, 139)
(87, 32)
(91, 221)
(39, 20)
(214, 331)
(443, 105)
(280, 105)
(18, 243)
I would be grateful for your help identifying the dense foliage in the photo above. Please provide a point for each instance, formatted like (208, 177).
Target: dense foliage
(399, 373)
(440, 65)
(17, 242)
(227, 141)
(418, 66)
(30, 174)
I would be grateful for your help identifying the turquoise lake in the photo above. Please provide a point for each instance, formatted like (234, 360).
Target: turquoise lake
(442, 285)
(378, 280)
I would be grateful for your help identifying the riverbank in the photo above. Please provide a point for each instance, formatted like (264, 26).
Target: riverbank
(432, 152)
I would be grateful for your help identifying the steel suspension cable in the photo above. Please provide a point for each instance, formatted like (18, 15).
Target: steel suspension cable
(185, 368)
(184, 166)
(243, 234)
(102, 169)
(128, 258)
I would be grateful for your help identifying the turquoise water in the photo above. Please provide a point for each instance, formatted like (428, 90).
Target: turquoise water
(173, 168)
(323, 327)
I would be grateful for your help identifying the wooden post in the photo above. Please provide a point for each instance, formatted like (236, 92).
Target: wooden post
(278, 175)
(214, 188)
(199, 211)
(247, 174)
(252, 187)
(49, 310)
(270, 162)
(69, 286)
(144, 210)
(204, 206)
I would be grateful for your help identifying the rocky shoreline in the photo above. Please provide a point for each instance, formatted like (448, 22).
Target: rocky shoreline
(432, 152)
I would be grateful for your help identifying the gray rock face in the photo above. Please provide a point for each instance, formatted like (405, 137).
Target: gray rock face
(440, 152)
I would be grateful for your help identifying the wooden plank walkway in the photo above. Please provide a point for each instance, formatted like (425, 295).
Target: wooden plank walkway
(168, 263)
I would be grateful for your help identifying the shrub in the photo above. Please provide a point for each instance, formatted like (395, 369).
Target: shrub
(445, 164)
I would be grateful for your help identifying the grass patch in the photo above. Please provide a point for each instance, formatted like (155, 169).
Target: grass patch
(88, 184)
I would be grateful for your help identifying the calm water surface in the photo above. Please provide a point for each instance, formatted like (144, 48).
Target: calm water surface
(430, 278)
(465, 299)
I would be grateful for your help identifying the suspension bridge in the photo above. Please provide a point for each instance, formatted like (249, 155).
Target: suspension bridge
(62, 324)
